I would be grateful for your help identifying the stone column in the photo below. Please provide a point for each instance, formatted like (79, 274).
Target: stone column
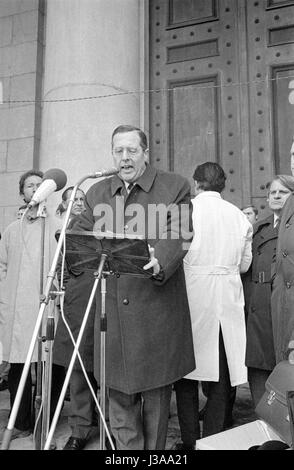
(21, 64)
(92, 50)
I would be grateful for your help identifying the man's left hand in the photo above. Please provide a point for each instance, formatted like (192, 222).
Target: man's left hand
(153, 263)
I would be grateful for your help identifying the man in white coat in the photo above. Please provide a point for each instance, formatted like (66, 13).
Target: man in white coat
(21, 258)
(219, 252)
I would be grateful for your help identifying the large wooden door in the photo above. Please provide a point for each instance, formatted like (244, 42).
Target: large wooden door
(222, 75)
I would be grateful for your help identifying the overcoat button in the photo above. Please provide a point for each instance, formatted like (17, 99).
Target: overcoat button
(126, 301)
(284, 253)
(287, 225)
(288, 285)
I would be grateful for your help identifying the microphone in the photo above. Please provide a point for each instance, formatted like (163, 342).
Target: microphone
(53, 180)
(109, 172)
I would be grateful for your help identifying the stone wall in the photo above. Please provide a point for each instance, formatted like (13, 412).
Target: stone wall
(21, 65)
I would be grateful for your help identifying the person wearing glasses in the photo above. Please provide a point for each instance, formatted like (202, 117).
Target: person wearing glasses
(149, 338)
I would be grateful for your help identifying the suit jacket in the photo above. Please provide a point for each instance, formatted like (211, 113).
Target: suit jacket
(149, 338)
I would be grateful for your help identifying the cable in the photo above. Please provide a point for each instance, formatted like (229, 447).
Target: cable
(23, 238)
(157, 90)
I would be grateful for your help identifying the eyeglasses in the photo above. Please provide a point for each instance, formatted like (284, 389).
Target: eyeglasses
(131, 151)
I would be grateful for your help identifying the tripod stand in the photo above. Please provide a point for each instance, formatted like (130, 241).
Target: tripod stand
(124, 256)
(116, 255)
(45, 301)
(98, 276)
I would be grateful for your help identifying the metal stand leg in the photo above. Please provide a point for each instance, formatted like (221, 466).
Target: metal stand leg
(38, 386)
(103, 329)
(47, 380)
(26, 369)
(98, 276)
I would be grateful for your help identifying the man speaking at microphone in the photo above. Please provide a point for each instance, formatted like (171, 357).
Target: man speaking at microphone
(148, 340)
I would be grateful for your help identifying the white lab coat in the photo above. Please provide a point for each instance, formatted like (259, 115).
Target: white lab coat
(220, 250)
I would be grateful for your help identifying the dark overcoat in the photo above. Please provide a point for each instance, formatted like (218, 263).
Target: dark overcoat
(149, 338)
(77, 292)
(283, 288)
(78, 285)
(260, 352)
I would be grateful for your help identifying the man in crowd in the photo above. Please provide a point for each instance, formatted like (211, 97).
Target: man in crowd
(220, 250)
(148, 339)
(21, 261)
(258, 282)
(251, 213)
(78, 205)
(4, 367)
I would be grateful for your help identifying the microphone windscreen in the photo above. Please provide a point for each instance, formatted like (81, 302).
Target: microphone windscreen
(110, 172)
(58, 176)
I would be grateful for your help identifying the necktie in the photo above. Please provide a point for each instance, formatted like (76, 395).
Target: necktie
(277, 223)
(130, 187)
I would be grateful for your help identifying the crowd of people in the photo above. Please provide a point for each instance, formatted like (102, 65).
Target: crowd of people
(212, 303)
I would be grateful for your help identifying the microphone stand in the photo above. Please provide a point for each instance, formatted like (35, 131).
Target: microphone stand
(100, 274)
(45, 300)
(103, 329)
(38, 397)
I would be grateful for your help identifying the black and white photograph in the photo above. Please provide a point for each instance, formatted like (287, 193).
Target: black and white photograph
(146, 241)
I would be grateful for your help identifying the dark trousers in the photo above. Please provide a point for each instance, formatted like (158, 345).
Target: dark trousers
(58, 376)
(233, 393)
(217, 405)
(24, 416)
(257, 379)
(139, 421)
(24, 419)
(218, 396)
(187, 399)
(82, 405)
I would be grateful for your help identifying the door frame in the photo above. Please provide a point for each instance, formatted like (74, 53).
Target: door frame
(144, 65)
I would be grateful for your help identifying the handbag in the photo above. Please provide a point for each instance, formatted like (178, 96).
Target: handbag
(273, 406)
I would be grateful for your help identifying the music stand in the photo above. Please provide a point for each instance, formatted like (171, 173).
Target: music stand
(114, 254)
